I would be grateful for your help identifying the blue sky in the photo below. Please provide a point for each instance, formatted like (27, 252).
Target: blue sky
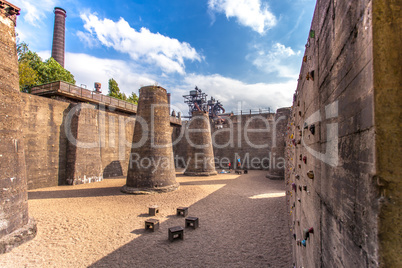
(246, 53)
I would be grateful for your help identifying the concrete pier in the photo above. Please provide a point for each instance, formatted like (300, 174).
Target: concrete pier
(15, 225)
(200, 154)
(151, 166)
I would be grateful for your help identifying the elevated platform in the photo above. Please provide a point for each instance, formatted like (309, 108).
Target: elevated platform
(79, 94)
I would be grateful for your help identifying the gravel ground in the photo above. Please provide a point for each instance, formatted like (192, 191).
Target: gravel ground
(243, 223)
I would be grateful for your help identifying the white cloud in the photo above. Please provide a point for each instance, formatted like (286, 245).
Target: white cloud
(249, 13)
(149, 48)
(44, 54)
(31, 26)
(89, 69)
(234, 93)
(279, 59)
(87, 39)
(35, 11)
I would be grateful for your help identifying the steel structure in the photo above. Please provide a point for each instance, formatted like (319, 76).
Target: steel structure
(215, 108)
(197, 101)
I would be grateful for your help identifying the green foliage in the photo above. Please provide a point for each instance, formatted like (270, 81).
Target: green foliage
(28, 76)
(133, 98)
(33, 71)
(114, 91)
(51, 71)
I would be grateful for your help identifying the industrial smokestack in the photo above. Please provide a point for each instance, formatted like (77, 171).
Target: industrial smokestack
(59, 35)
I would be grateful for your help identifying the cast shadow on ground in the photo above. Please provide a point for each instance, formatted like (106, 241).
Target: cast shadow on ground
(139, 231)
(206, 182)
(108, 191)
(92, 192)
(232, 232)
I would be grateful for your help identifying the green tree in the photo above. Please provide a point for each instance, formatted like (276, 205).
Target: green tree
(28, 76)
(33, 71)
(114, 91)
(50, 71)
(133, 98)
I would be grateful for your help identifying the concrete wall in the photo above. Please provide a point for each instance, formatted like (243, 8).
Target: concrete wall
(49, 154)
(387, 58)
(115, 139)
(179, 145)
(84, 163)
(46, 142)
(248, 136)
(277, 170)
(341, 202)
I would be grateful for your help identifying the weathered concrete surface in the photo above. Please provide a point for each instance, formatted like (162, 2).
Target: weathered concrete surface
(151, 167)
(246, 136)
(277, 172)
(45, 140)
(100, 144)
(200, 154)
(46, 146)
(116, 133)
(387, 58)
(13, 182)
(84, 163)
(179, 145)
(347, 138)
(46, 143)
(19, 236)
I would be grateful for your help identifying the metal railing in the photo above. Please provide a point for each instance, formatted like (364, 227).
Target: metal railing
(65, 87)
(254, 111)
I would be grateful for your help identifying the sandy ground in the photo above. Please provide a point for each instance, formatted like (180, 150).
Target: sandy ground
(242, 224)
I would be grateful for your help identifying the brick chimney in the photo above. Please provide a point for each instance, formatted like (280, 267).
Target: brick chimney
(59, 35)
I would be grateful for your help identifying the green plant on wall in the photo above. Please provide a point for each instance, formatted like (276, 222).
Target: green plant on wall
(114, 91)
(133, 98)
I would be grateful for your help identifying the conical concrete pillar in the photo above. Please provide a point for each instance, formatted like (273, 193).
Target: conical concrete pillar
(16, 227)
(200, 154)
(151, 164)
